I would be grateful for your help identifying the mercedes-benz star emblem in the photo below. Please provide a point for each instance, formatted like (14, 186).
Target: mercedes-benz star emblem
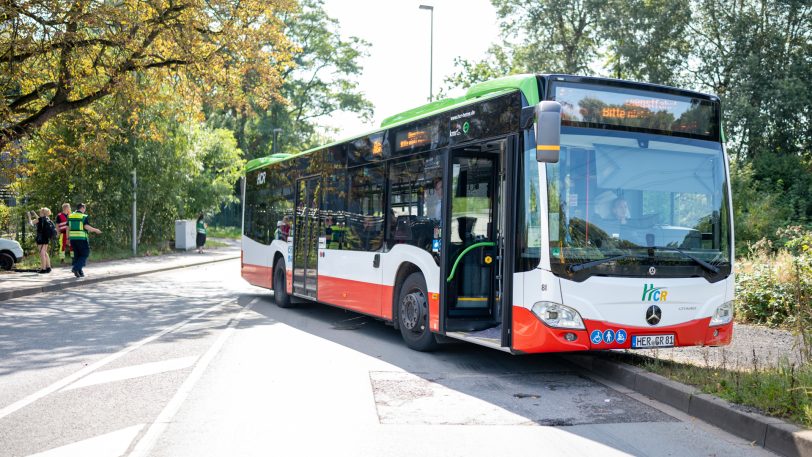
(653, 315)
(652, 271)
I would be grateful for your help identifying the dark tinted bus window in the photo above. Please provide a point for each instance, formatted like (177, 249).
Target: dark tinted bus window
(371, 148)
(268, 199)
(334, 205)
(415, 197)
(364, 215)
(257, 208)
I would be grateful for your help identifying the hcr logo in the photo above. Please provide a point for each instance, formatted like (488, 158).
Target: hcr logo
(651, 293)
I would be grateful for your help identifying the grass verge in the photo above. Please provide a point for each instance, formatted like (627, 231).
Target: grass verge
(233, 233)
(784, 391)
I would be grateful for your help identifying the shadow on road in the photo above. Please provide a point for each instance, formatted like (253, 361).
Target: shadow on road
(462, 384)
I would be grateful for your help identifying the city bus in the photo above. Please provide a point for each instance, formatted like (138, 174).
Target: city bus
(535, 213)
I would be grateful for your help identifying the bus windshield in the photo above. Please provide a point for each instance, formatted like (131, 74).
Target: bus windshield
(645, 199)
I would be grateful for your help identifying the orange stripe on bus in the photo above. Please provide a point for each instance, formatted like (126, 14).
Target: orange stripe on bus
(358, 296)
(258, 275)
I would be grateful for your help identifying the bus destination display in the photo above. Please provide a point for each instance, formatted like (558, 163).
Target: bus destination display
(409, 139)
(605, 105)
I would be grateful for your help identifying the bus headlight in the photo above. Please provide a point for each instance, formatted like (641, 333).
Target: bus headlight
(723, 314)
(557, 315)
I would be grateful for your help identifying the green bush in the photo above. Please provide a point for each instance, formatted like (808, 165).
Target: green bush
(774, 286)
(5, 219)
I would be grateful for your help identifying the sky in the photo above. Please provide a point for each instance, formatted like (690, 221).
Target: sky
(396, 72)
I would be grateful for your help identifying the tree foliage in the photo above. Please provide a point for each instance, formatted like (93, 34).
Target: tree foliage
(183, 168)
(320, 82)
(61, 56)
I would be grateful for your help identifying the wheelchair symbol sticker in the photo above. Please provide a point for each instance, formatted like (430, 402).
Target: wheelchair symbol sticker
(596, 336)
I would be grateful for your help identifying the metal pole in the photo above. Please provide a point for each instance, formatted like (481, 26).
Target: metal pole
(276, 133)
(431, 58)
(431, 52)
(135, 219)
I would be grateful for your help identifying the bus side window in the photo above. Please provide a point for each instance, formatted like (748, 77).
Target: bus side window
(334, 200)
(364, 216)
(415, 197)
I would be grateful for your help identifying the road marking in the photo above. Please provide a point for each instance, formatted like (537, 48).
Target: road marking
(113, 444)
(144, 446)
(96, 365)
(135, 371)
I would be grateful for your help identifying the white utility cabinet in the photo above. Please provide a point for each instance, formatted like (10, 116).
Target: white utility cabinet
(185, 235)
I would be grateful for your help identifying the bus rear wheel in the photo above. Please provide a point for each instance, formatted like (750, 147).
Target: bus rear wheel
(280, 292)
(413, 314)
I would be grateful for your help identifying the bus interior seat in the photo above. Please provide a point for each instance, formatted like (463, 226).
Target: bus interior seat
(403, 229)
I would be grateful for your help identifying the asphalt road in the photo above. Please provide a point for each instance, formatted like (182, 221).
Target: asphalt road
(195, 362)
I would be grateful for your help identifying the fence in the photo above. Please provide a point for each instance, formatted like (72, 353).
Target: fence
(230, 215)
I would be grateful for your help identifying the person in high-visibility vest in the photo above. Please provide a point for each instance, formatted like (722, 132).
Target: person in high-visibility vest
(78, 229)
(334, 233)
(62, 228)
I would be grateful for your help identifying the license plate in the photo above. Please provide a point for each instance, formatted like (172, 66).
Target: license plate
(652, 341)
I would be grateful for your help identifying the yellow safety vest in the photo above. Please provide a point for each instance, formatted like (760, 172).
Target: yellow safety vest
(76, 224)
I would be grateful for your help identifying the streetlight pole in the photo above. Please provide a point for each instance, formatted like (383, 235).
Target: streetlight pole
(275, 148)
(135, 218)
(431, 51)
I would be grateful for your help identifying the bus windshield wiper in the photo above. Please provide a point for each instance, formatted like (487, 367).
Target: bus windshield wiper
(594, 263)
(710, 267)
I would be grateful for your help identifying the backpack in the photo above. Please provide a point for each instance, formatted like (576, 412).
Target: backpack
(51, 229)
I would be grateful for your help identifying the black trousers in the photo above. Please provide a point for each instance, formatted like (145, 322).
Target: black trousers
(81, 251)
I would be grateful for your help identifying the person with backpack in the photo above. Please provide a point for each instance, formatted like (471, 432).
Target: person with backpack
(46, 231)
(78, 229)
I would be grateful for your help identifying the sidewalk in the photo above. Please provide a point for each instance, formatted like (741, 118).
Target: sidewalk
(13, 285)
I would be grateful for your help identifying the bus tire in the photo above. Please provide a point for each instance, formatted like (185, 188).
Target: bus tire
(280, 292)
(413, 314)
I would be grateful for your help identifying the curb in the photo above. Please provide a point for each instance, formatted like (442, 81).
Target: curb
(71, 283)
(768, 432)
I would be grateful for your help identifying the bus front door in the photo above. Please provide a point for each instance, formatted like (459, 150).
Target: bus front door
(471, 289)
(306, 237)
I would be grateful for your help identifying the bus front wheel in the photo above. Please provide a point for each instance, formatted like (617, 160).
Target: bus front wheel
(280, 292)
(413, 314)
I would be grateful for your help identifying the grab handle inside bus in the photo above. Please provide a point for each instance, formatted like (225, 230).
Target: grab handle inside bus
(548, 131)
(470, 248)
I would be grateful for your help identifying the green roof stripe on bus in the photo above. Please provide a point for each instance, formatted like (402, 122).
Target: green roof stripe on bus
(263, 162)
(526, 83)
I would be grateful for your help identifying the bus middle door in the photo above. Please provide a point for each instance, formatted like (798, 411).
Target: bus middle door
(471, 242)
(306, 237)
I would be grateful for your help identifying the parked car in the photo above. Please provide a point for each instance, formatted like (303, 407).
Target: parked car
(10, 253)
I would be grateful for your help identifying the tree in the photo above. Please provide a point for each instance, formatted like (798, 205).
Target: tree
(183, 167)
(320, 83)
(61, 56)
(647, 39)
(498, 62)
(756, 56)
(549, 36)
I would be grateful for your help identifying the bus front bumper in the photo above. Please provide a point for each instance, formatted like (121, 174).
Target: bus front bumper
(530, 335)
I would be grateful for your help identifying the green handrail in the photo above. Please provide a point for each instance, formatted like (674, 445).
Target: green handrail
(465, 251)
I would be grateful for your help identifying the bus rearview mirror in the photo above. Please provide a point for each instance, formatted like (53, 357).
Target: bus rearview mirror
(548, 131)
